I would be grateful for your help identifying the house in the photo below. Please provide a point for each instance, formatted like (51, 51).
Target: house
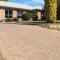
(12, 10)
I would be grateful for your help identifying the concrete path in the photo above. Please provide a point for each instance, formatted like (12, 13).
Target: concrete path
(27, 42)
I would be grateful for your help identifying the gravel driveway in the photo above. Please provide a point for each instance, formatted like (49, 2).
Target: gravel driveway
(27, 42)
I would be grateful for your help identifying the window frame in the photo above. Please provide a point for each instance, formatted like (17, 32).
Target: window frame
(19, 14)
(9, 13)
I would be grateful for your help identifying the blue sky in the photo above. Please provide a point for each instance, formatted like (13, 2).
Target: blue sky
(30, 2)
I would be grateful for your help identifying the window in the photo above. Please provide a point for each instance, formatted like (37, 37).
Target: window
(8, 14)
(19, 14)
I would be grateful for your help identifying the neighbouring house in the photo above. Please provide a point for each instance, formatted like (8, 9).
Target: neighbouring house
(12, 10)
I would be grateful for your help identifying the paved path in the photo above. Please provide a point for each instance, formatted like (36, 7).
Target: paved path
(27, 42)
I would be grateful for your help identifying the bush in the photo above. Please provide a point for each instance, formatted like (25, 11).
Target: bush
(43, 18)
(15, 19)
(26, 16)
(34, 16)
(50, 21)
(8, 20)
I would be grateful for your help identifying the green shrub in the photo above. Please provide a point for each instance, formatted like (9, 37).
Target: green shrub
(8, 20)
(34, 16)
(50, 21)
(26, 16)
(43, 18)
(15, 19)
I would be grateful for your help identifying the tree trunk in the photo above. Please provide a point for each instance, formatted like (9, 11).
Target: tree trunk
(51, 10)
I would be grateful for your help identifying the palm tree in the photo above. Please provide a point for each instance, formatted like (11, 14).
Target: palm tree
(51, 10)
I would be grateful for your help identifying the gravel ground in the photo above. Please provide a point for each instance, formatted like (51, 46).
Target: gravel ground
(27, 42)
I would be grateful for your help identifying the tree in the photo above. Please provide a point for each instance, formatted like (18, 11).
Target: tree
(58, 2)
(26, 16)
(3, 0)
(58, 9)
(51, 10)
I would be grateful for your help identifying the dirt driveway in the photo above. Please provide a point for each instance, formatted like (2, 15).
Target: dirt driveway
(27, 42)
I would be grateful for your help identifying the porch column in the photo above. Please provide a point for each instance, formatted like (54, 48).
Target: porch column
(39, 15)
(14, 14)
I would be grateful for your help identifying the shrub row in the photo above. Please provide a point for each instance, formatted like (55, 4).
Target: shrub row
(25, 17)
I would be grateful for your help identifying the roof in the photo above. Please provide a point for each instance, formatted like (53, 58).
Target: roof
(17, 5)
(14, 5)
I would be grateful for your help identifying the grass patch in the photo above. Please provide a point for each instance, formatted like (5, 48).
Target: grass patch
(37, 22)
(33, 22)
(58, 21)
(58, 29)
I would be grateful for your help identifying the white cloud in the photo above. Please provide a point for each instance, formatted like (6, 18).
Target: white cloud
(37, 7)
(38, 1)
(36, 4)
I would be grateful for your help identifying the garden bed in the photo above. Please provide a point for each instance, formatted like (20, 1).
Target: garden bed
(42, 24)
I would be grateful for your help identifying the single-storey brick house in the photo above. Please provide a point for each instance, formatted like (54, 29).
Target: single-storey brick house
(11, 10)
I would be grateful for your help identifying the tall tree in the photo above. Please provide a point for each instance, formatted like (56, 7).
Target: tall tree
(58, 9)
(51, 10)
(58, 2)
